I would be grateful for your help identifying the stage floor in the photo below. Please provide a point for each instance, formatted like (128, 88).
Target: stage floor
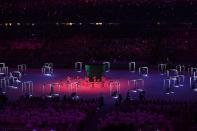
(153, 85)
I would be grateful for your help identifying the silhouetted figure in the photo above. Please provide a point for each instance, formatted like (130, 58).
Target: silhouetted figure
(101, 101)
(116, 104)
(3, 100)
(51, 89)
(128, 96)
(119, 98)
(142, 95)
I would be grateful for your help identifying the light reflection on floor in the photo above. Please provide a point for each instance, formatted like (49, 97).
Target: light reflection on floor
(153, 84)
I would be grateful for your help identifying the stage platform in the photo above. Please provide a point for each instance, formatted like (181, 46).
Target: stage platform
(153, 85)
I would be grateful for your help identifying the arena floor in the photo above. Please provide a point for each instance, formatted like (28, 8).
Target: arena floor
(153, 85)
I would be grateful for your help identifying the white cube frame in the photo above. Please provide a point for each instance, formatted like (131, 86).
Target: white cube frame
(78, 66)
(139, 84)
(132, 85)
(22, 68)
(181, 80)
(172, 72)
(4, 83)
(2, 64)
(16, 76)
(47, 70)
(175, 81)
(162, 68)
(11, 82)
(192, 71)
(143, 71)
(168, 86)
(180, 69)
(73, 87)
(132, 66)
(114, 86)
(107, 66)
(136, 84)
(134, 95)
(4, 70)
(27, 88)
(193, 82)
(51, 87)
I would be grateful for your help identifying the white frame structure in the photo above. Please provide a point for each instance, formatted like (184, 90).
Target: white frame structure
(52, 86)
(10, 82)
(191, 71)
(16, 76)
(114, 85)
(4, 70)
(4, 83)
(168, 86)
(134, 85)
(47, 70)
(73, 85)
(2, 64)
(27, 88)
(180, 69)
(181, 80)
(138, 84)
(22, 68)
(191, 80)
(78, 66)
(175, 81)
(132, 64)
(175, 71)
(162, 68)
(108, 65)
(143, 69)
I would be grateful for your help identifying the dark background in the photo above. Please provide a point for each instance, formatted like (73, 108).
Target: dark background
(150, 32)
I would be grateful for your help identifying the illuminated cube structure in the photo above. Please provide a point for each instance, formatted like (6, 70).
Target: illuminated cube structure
(9, 82)
(193, 83)
(78, 66)
(4, 83)
(27, 88)
(2, 64)
(134, 94)
(136, 84)
(106, 66)
(180, 69)
(169, 86)
(47, 69)
(114, 87)
(172, 73)
(73, 89)
(162, 68)
(132, 67)
(175, 81)
(16, 76)
(3, 70)
(143, 71)
(192, 71)
(52, 89)
(181, 80)
(22, 68)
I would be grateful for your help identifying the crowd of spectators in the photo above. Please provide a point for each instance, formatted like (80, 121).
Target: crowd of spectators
(178, 45)
(76, 114)
(46, 113)
(156, 114)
